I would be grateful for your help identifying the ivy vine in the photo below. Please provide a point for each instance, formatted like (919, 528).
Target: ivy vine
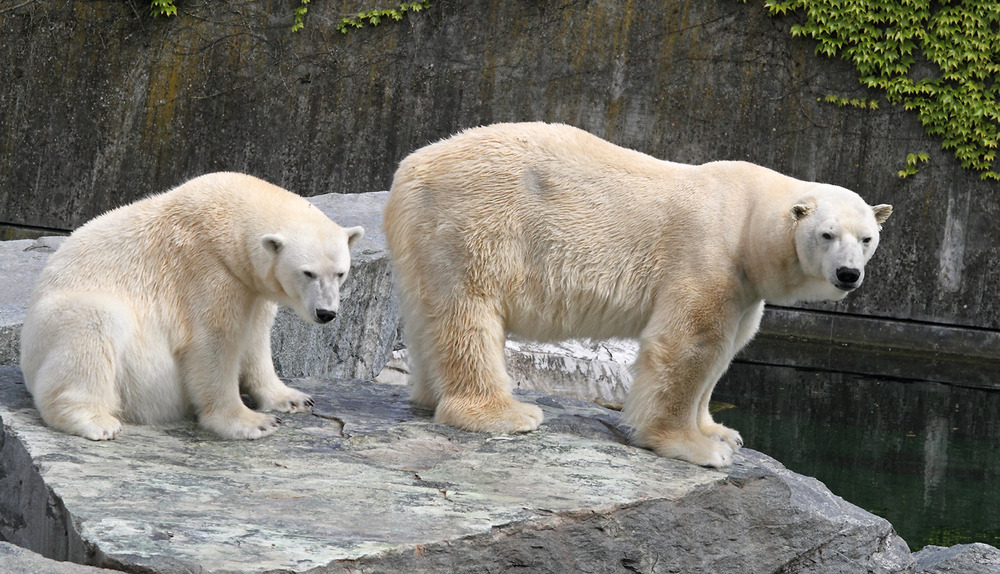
(940, 58)
(375, 17)
(162, 8)
(300, 15)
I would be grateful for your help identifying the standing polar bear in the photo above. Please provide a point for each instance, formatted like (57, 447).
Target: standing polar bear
(165, 306)
(548, 232)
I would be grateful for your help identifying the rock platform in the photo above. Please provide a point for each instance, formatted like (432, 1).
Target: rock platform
(368, 483)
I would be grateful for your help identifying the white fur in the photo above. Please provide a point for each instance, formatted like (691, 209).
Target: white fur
(551, 233)
(164, 307)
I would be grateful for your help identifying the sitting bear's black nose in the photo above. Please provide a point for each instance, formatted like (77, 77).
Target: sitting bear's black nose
(848, 275)
(325, 315)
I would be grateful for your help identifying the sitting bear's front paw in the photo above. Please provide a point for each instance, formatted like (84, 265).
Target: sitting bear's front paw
(246, 424)
(284, 399)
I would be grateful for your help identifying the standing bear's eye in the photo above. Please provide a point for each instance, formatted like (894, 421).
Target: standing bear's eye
(827, 236)
(309, 274)
(866, 240)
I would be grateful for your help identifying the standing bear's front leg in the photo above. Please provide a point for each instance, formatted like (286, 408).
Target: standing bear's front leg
(684, 349)
(748, 325)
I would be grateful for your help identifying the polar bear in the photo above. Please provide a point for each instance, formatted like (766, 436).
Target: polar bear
(548, 232)
(164, 307)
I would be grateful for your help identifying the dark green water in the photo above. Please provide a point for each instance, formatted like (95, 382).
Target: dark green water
(925, 456)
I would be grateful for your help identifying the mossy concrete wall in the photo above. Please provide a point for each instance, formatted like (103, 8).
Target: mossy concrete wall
(103, 104)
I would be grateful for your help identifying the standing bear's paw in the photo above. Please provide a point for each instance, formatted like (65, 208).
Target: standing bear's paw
(727, 435)
(692, 446)
(242, 424)
(494, 416)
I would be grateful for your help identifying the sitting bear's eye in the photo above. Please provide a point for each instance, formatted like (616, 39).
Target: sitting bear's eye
(309, 274)
(866, 240)
(827, 236)
(340, 275)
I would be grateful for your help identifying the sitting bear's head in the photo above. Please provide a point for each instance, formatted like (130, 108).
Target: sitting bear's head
(310, 269)
(836, 233)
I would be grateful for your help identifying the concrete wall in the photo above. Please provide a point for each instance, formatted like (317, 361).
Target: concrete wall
(102, 104)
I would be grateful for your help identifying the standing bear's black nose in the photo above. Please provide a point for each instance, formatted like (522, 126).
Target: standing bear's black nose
(325, 315)
(848, 275)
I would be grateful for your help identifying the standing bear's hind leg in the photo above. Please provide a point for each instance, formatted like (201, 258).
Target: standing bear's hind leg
(423, 391)
(465, 359)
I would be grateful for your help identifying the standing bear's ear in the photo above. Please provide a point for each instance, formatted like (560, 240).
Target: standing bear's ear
(272, 243)
(801, 211)
(354, 234)
(882, 212)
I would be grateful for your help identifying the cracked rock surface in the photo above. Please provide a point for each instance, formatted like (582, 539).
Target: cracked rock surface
(368, 483)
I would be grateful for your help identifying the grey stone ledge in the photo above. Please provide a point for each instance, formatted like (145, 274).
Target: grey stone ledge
(368, 483)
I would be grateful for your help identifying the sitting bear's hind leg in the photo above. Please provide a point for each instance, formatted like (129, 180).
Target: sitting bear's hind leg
(80, 401)
(75, 387)
(465, 359)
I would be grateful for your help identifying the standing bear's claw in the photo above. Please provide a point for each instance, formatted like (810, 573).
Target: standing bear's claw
(503, 418)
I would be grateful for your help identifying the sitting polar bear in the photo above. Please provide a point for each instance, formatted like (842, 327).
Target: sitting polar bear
(548, 232)
(165, 306)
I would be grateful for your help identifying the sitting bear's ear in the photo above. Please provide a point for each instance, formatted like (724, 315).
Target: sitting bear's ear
(272, 243)
(801, 211)
(882, 212)
(354, 234)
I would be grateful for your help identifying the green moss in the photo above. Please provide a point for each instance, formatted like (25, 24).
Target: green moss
(939, 58)
(375, 17)
(162, 8)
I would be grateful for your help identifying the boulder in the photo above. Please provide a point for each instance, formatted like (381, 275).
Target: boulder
(20, 264)
(367, 482)
(975, 558)
(592, 370)
(17, 560)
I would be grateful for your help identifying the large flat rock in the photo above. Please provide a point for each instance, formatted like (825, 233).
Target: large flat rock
(369, 483)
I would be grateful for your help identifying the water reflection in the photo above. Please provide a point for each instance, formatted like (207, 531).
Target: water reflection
(925, 456)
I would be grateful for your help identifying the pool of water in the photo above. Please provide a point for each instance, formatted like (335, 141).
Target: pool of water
(925, 456)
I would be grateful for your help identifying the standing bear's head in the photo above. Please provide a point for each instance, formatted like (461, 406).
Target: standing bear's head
(309, 267)
(836, 233)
